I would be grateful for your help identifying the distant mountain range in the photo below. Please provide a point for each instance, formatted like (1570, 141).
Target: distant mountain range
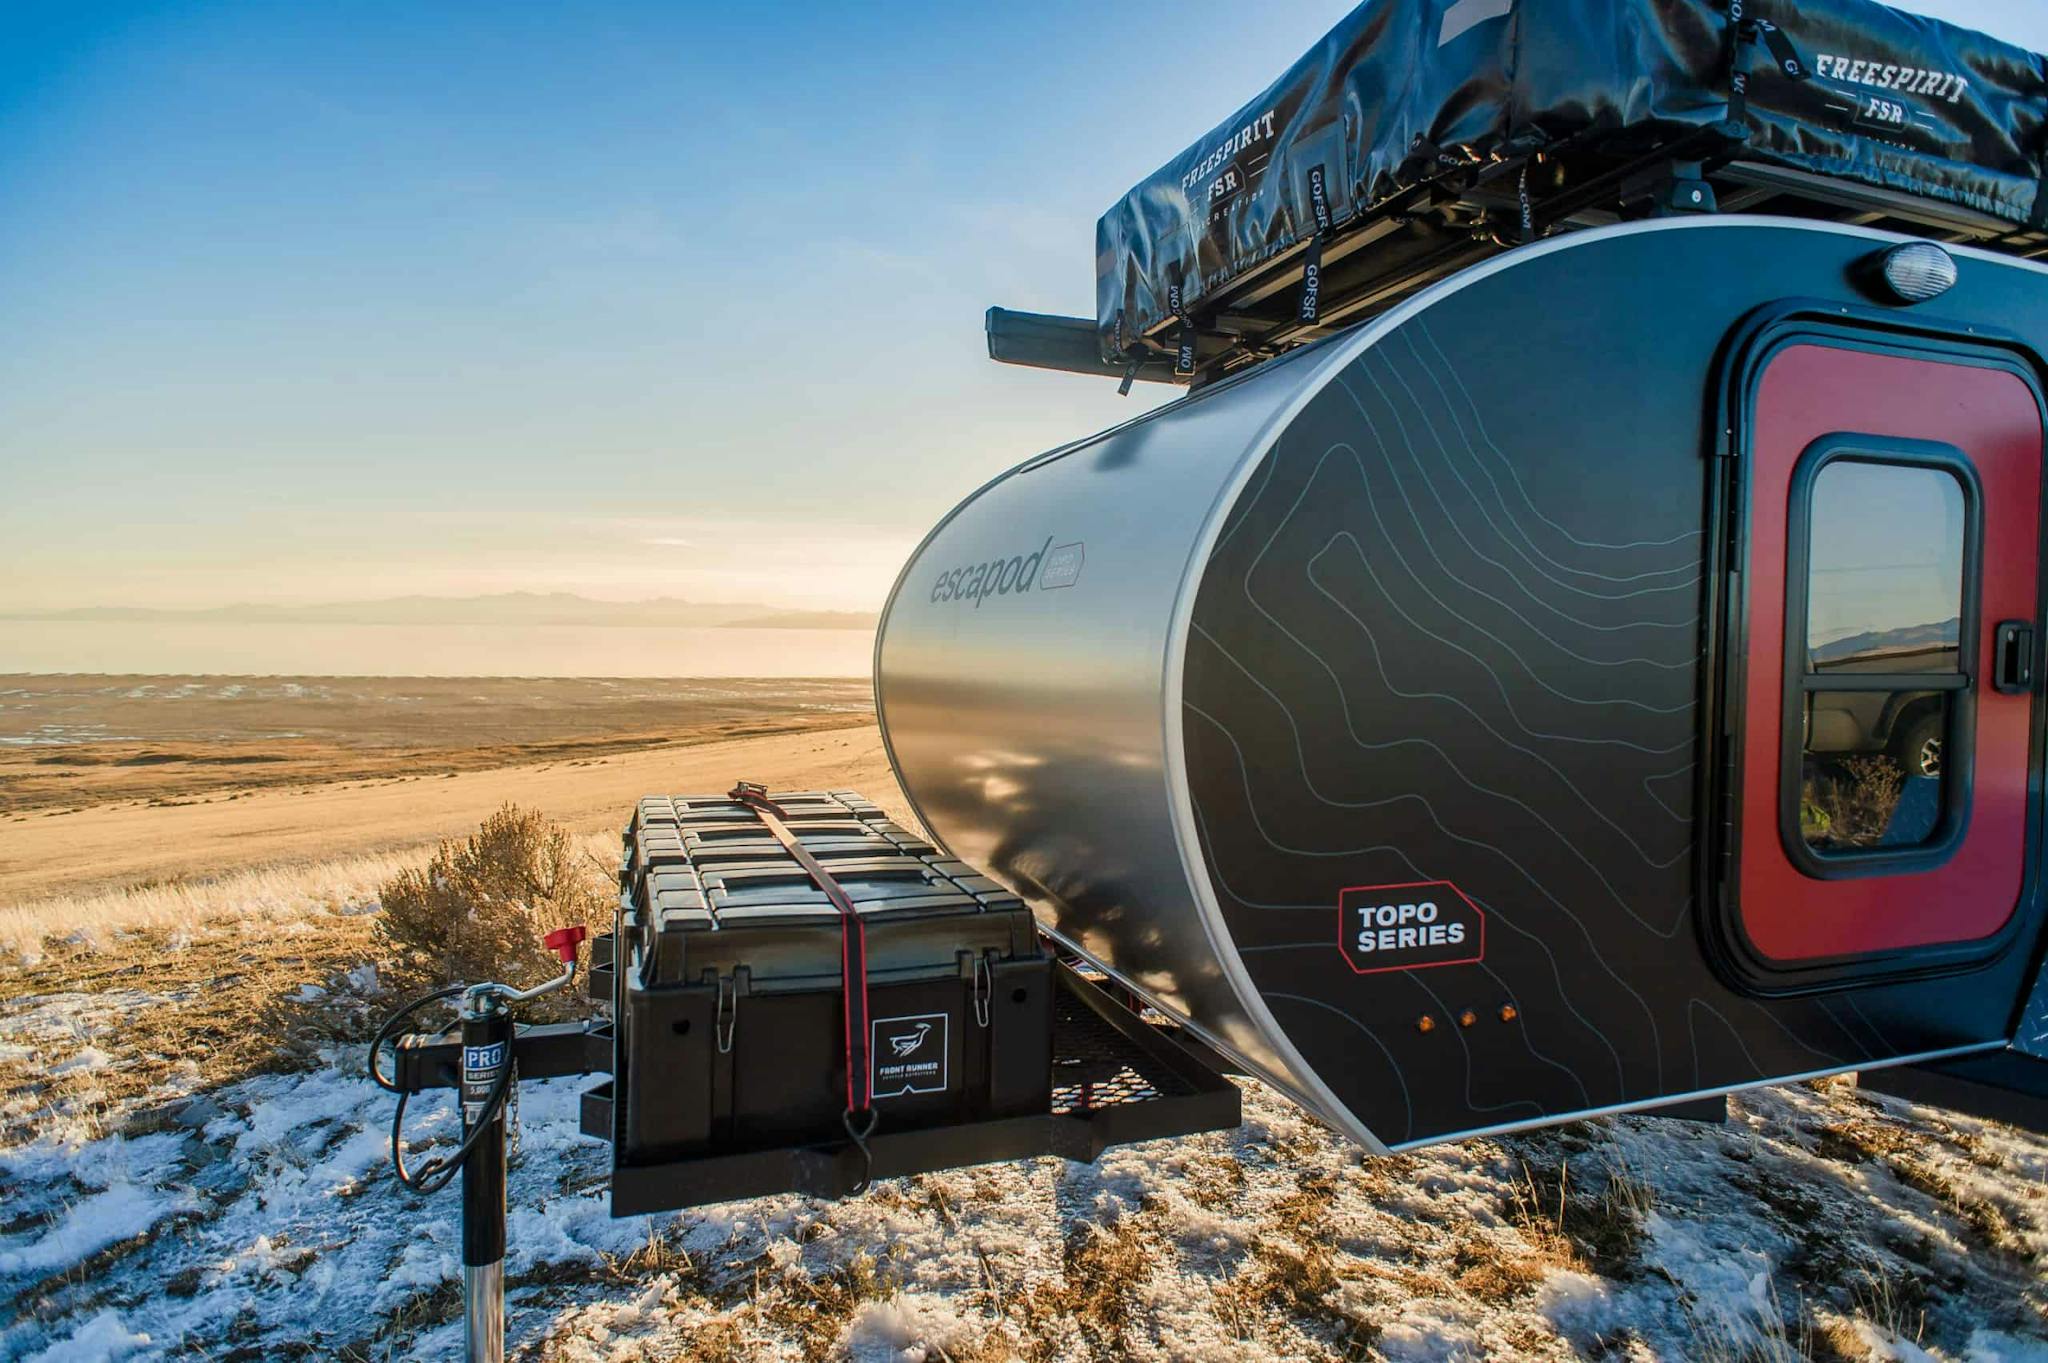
(504, 608)
(1931, 637)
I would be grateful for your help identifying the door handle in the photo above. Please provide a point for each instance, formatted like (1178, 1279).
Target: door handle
(2012, 658)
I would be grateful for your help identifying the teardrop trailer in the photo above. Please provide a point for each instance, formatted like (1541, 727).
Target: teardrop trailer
(1575, 649)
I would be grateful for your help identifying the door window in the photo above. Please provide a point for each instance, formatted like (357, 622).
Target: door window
(1878, 661)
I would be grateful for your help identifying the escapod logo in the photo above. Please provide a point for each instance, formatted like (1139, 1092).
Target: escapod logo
(1046, 568)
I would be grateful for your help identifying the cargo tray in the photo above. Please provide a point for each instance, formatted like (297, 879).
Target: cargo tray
(1116, 1079)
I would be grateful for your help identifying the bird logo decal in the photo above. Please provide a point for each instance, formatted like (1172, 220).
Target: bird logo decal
(906, 1042)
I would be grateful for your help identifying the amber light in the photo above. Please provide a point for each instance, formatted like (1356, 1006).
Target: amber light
(1508, 1012)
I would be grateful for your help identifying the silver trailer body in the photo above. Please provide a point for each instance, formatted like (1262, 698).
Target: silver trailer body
(1032, 661)
(1034, 730)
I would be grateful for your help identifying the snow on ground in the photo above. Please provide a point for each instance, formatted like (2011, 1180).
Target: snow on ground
(259, 1220)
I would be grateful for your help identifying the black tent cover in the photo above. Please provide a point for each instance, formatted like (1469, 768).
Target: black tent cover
(1402, 89)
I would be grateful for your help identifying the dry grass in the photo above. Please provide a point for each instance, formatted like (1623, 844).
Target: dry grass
(1592, 1224)
(214, 1004)
(736, 1304)
(1878, 1318)
(1767, 1335)
(202, 984)
(113, 846)
(1852, 806)
(1911, 1159)
(1105, 1267)
(262, 899)
(816, 1307)
(266, 897)
(479, 907)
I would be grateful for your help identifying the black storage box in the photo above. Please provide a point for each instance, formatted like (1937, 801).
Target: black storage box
(726, 985)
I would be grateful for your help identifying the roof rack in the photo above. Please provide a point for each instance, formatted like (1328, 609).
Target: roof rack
(1438, 227)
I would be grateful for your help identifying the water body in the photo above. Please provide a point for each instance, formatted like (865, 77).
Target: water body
(214, 648)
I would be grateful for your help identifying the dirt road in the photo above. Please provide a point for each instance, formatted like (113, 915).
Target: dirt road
(114, 846)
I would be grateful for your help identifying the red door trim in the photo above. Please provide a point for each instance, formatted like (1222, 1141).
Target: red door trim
(1807, 390)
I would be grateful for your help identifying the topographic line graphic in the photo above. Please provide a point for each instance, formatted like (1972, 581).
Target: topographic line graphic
(1515, 476)
(1480, 662)
(1690, 623)
(1379, 664)
(1238, 897)
(1508, 991)
(1687, 668)
(1430, 745)
(1407, 1103)
(1770, 1015)
(1827, 1009)
(1495, 915)
(1466, 1047)
(1693, 1038)
(1351, 729)
(1617, 702)
(1688, 584)
(1649, 789)
(1450, 764)
(1565, 997)
(1884, 1047)
(1592, 950)
(1691, 566)
(1499, 685)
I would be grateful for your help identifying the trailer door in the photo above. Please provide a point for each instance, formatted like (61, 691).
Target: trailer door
(1883, 820)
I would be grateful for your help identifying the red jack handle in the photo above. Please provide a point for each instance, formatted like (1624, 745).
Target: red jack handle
(564, 941)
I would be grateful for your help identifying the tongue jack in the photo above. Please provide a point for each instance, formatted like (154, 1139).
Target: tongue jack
(489, 1043)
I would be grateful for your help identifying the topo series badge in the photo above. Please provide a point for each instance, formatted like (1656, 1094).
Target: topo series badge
(1407, 927)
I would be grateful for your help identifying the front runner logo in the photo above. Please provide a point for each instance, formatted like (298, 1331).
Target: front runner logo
(1408, 927)
(908, 1055)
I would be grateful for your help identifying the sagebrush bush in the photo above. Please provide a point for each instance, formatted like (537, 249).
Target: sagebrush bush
(478, 909)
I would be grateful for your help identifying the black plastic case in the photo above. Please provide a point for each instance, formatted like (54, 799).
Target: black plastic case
(726, 987)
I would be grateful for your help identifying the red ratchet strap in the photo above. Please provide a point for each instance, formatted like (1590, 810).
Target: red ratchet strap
(853, 958)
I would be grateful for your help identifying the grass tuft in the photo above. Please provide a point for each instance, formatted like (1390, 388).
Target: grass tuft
(479, 907)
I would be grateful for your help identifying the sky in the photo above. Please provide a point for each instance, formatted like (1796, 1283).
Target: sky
(335, 302)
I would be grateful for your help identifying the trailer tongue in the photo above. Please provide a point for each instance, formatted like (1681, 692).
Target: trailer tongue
(796, 995)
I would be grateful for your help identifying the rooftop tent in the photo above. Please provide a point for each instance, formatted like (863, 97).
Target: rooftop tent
(1429, 131)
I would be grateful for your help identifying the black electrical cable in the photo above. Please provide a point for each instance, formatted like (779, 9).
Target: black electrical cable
(437, 1172)
(385, 1032)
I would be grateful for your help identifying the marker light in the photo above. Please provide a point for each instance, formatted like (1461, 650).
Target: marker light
(1913, 272)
